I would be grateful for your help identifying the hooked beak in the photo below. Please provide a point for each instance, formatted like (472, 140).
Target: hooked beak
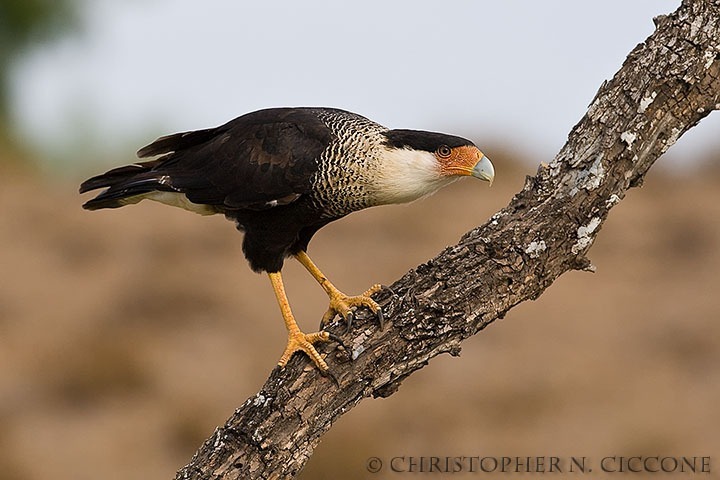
(484, 170)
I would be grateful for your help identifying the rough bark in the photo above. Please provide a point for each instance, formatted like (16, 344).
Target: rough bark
(665, 87)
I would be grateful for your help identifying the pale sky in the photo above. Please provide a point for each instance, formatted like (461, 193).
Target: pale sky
(514, 71)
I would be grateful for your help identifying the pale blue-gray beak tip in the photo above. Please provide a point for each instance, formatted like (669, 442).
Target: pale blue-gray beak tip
(484, 170)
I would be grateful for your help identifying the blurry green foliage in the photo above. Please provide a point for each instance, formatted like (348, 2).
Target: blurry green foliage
(23, 25)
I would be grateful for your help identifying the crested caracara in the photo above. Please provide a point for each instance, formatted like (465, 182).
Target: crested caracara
(281, 174)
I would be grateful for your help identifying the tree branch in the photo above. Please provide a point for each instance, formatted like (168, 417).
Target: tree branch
(665, 87)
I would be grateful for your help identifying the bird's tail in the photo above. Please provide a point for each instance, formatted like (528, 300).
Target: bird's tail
(123, 185)
(131, 183)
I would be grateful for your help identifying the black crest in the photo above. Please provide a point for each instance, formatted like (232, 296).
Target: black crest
(426, 141)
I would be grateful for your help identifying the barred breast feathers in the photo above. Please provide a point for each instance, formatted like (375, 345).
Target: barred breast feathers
(347, 169)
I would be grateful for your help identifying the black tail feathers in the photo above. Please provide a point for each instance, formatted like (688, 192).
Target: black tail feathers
(121, 184)
(127, 184)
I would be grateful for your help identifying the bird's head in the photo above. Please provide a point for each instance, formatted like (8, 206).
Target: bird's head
(418, 163)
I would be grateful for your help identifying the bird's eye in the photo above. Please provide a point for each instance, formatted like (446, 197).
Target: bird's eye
(443, 151)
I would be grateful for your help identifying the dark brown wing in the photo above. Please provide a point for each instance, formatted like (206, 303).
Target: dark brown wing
(257, 161)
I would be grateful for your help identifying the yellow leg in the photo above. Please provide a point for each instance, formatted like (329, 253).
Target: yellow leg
(297, 340)
(339, 302)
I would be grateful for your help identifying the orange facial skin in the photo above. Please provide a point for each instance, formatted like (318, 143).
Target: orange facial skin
(458, 160)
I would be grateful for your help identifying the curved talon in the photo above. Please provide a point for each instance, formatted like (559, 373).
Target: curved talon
(348, 321)
(329, 373)
(337, 340)
(385, 287)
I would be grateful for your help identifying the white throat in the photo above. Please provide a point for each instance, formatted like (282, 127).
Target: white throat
(405, 175)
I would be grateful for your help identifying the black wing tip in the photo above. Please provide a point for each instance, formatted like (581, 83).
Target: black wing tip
(104, 200)
(92, 205)
(155, 148)
(93, 183)
(177, 141)
(99, 203)
(116, 176)
(120, 183)
(119, 196)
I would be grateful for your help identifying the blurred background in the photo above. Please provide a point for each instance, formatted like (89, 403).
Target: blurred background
(127, 336)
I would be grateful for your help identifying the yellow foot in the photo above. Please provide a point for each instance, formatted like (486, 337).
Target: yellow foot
(342, 304)
(299, 341)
